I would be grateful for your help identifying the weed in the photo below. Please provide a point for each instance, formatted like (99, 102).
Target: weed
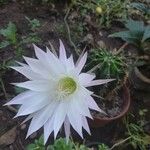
(10, 35)
(59, 144)
(103, 147)
(33, 23)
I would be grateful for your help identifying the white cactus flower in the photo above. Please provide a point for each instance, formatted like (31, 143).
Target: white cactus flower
(56, 93)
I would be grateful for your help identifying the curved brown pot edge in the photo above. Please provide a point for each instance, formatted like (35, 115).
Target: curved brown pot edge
(99, 122)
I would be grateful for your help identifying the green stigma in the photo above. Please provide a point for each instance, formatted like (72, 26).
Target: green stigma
(67, 85)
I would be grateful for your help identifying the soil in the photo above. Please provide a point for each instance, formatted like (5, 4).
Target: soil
(50, 18)
(112, 106)
(145, 70)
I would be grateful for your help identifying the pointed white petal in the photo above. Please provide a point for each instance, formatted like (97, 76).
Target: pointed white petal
(70, 63)
(21, 64)
(41, 117)
(60, 115)
(34, 104)
(27, 72)
(36, 85)
(53, 61)
(75, 120)
(81, 63)
(62, 52)
(81, 55)
(78, 103)
(49, 61)
(92, 104)
(85, 125)
(85, 78)
(40, 54)
(28, 118)
(48, 128)
(38, 67)
(52, 49)
(21, 98)
(98, 82)
(67, 128)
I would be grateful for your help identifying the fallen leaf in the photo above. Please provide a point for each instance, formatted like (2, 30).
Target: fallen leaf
(8, 137)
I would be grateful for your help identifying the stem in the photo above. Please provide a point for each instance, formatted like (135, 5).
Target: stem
(119, 143)
(68, 30)
(121, 49)
(6, 96)
(98, 96)
(3, 88)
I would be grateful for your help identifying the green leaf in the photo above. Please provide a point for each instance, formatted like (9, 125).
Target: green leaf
(10, 32)
(4, 44)
(146, 34)
(126, 36)
(135, 27)
(146, 139)
(34, 23)
(140, 6)
(103, 147)
(31, 147)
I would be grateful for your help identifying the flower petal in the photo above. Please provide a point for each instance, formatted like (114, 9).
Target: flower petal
(53, 61)
(34, 104)
(85, 78)
(28, 72)
(36, 85)
(75, 120)
(22, 97)
(62, 52)
(70, 63)
(48, 128)
(38, 67)
(85, 125)
(98, 82)
(41, 117)
(60, 115)
(67, 128)
(81, 63)
(40, 54)
(79, 105)
(92, 104)
(21, 64)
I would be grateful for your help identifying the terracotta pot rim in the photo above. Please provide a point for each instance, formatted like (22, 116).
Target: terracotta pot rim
(126, 93)
(141, 76)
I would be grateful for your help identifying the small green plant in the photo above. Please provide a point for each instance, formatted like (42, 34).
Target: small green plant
(136, 34)
(59, 144)
(103, 147)
(105, 11)
(110, 65)
(10, 35)
(31, 38)
(138, 137)
(37, 145)
(112, 10)
(33, 23)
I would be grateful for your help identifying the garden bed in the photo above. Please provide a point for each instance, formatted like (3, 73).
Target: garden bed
(85, 32)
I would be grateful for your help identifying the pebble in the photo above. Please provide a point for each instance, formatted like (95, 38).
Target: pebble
(32, 136)
(23, 126)
(4, 118)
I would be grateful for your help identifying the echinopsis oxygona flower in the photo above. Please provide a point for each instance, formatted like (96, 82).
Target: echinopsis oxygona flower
(56, 93)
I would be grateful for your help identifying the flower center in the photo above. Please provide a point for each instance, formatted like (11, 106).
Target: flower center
(66, 86)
